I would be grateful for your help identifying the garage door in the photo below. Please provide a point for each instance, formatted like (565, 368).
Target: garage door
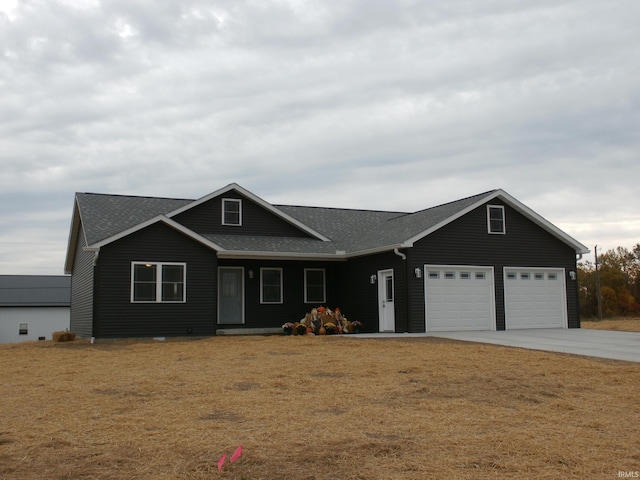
(534, 298)
(459, 298)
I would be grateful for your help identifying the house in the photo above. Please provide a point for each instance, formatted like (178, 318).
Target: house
(32, 307)
(231, 262)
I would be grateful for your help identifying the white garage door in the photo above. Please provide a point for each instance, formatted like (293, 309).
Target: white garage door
(535, 298)
(459, 298)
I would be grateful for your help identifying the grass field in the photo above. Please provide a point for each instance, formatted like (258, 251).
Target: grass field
(313, 408)
(623, 324)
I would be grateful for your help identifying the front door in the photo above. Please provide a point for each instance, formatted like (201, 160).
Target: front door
(386, 306)
(230, 295)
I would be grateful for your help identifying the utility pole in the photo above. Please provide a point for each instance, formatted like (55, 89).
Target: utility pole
(598, 284)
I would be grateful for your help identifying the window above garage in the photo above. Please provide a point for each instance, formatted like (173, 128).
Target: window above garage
(495, 219)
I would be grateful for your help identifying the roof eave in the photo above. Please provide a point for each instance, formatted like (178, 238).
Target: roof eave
(261, 255)
(160, 218)
(72, 242)
(383, 249)
(542, 222)
(515, 204)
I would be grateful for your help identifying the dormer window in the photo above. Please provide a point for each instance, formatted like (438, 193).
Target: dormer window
(231, 212)
(495, 219)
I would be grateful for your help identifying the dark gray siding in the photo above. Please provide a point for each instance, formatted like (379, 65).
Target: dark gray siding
(293, 308)
(81, 320)
(360, 297)
(118, 317)
(207, 219)
(466, 242)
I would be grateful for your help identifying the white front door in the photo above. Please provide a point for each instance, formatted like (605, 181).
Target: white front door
(386, 307)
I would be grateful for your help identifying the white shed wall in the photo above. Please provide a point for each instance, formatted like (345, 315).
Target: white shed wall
(41, 322)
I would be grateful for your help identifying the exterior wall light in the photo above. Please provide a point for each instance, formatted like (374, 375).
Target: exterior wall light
(572, 275)
(418, 272)
(373, 278)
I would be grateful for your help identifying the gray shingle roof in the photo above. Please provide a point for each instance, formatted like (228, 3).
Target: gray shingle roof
(348, 230)
(104, 218)
(106, 215)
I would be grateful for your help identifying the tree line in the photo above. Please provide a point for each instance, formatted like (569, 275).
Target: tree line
(618, 276)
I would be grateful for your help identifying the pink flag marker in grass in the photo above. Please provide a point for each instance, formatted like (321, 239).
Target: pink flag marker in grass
(221, 461)
(236, 454)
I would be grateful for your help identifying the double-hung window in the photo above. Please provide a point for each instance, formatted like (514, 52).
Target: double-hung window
(158, 282)
(270, 285)
(314, 285)
(232, 212)
(495, 219)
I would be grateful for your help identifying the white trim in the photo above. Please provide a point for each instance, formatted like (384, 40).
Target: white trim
(159, 282)
(253, 198)
(160, 218)
(224, 203)
(381, 274)
(262, 301)
(324, 285)
(257, 255)
(504, 219)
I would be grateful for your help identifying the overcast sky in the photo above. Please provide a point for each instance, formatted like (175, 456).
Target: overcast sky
(397, 105)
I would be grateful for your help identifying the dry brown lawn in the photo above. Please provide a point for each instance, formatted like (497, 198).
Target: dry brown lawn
(313, 408)
(630, 324)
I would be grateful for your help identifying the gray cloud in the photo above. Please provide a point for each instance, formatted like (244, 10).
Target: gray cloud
(394, 105)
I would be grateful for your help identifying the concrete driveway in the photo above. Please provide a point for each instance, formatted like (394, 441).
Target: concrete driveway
(579, 341)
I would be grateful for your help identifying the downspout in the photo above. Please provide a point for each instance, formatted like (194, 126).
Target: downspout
(400, 254)
(406, 288)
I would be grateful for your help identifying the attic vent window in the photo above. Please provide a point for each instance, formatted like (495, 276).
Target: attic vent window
(231, 212)
(495, 219)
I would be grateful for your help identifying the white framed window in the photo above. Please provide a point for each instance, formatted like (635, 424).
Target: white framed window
(495, 219)
(465, 275)
(232, 212)
(270, 285)
(434, 274)
(480, 275)
(450, 275)
(552, 276)
(525, 276)
(23, 329)
(158, 282)
(314, 285)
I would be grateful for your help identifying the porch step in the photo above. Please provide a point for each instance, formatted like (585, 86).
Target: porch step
(249, 331)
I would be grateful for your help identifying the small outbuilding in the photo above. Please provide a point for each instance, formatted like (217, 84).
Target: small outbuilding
(32, 307)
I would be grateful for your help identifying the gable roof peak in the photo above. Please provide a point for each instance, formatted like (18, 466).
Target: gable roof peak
(257, 200)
